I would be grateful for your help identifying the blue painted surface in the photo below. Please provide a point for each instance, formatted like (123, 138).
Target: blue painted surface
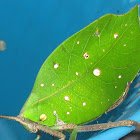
(32, 30)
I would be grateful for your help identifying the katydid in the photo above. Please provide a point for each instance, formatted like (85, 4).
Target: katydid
(86, 76)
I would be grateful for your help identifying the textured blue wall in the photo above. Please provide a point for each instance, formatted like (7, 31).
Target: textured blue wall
(32, 29)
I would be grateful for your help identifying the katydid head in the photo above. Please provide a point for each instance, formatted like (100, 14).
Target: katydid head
(34, 127)
(26, 123)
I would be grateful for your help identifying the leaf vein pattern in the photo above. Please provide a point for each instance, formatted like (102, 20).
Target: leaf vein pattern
(45, 98)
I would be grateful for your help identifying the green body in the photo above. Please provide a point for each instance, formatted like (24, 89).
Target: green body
(66, 83)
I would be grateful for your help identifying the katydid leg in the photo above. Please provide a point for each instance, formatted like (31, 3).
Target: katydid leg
(121, 99)
(38, 135)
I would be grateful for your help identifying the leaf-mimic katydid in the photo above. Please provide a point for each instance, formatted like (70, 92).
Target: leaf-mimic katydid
(87, 75)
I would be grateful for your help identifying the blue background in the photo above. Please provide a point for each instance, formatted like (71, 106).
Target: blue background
(32, 29)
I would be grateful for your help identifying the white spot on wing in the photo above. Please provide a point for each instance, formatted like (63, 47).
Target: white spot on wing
(115, 35)
(68, 113)
(53, 85)
(119, 76)
(42, 85)
(78, 42)
(67, 98)
(97, 72)
(84, 103)
(54, 112)
(77, 73)
(86, 55)
(56, 66)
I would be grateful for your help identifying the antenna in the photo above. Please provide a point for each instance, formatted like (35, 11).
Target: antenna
(14, 119)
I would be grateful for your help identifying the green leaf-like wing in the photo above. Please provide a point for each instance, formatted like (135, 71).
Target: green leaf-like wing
(88, 72)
